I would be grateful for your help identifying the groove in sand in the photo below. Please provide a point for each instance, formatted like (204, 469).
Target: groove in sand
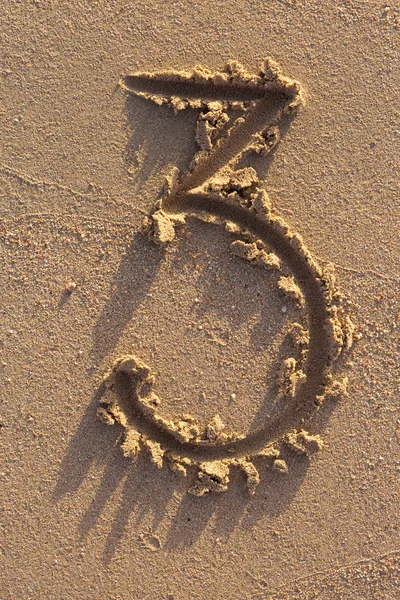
(272, 96)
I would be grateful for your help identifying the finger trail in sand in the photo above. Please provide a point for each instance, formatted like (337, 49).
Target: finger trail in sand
(216, 190)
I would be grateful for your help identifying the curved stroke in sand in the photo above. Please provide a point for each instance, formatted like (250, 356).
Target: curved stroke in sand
(317, 361)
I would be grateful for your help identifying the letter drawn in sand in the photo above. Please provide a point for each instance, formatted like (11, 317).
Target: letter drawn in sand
(216, 190)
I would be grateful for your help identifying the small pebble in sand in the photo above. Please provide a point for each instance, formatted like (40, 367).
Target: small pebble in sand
(284, 309)
(70, 286)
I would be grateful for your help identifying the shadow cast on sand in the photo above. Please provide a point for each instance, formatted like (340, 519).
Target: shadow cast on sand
(132, 281)
(147, 490)
(157, 140)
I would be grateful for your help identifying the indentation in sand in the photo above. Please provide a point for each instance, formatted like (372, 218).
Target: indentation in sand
(216, 190)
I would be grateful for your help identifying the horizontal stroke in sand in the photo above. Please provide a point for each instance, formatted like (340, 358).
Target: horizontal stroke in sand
(216, 190)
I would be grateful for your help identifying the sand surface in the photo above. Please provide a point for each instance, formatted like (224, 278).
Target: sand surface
(82, 163)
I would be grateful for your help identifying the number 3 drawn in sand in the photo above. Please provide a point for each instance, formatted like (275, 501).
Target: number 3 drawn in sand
(216, 190)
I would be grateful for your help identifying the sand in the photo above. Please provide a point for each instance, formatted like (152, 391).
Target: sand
(253, 450)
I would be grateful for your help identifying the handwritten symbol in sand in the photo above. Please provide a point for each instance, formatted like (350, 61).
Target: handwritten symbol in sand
(217, 190)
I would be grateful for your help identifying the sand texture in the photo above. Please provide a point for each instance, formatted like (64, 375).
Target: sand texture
(199, 349)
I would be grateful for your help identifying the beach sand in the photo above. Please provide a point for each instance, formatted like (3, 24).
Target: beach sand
(83, 162)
